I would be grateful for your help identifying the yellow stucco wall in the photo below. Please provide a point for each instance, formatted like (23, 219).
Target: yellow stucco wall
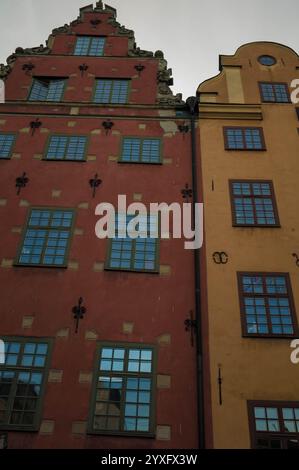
(252, 368)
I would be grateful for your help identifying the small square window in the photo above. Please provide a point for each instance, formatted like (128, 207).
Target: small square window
(134, 254)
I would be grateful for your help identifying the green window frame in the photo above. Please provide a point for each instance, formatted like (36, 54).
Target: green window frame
(47, 89)
(141, 150)
(123, 392)
(66, 147)
(90, 46)
(7, 141)
(46, 238)
(139, 254)
(111, 91)
(22, 382)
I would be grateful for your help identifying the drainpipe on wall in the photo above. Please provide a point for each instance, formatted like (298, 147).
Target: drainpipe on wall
(192, 104)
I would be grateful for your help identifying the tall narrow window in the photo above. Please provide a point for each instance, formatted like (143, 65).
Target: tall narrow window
(111, 91)
(47, 89)
(244, 138)
(66, 148)
(6, 144)
(138, 254)
(267, 306)
(274, 92)
(123, 395)
(136, 150)
(253, 204)
(22, 379)
(90, 45)
(274, 425)
(47, 238)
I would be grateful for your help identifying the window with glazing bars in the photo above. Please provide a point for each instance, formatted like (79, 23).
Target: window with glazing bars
(90, 45)
(274, 92)
(6, 144)
(111, 91)
(46, 89)
(66, 148)
(267, 307)
(274, 425)
(47, 238)
(244, 138)
(124, 390)
(253, 203)
(136, 150)
(138, 254)
(21, 382)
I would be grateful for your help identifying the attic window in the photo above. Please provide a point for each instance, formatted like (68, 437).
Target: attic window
(267, 60)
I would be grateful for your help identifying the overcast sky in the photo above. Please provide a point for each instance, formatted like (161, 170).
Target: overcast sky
(192, 33)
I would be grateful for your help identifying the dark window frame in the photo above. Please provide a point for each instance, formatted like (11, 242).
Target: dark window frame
(289, 295)
(16, 262)
(84, 159)
(97, 373)
(285, 84)
(244, 148)
(40, 404)
(15, 135)
(141, 162)
(273, 198)
(280, 435)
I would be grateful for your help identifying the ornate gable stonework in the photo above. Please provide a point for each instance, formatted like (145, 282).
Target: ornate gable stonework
(165, 95)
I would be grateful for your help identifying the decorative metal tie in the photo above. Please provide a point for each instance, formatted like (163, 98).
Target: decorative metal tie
(94, 184)
(187, 192)
(139, 68)
(28, 68)
(83, 68)
(183, 128)
(79, 312)
(95, 22)
(21, 182)
(107, 125)
(190, 325)
(35, 125)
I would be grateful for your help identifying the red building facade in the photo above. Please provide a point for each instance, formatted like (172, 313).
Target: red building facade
(87, 118)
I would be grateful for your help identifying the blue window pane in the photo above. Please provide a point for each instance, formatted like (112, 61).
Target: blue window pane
(47, 90)
(111, 91)
(92, 46)
(52, 244)
(6, 143)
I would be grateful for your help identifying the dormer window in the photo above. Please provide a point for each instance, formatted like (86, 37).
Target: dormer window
(90, 45)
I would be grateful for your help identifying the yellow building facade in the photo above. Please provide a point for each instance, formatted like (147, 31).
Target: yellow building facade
(250, 161)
